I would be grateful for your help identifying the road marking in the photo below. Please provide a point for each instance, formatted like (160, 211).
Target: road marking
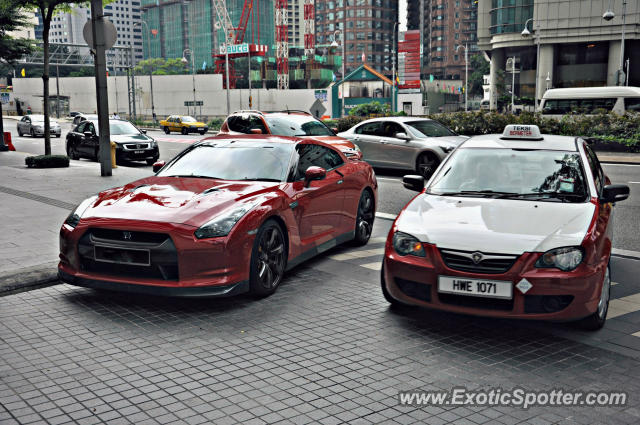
(378, 239)
(358, 254)
(634, 182)
(387, 216)
(612, 164)
(389, 179)
(615, 283)
(624, 305)
(625, 253)
(373, 266)
(636, 334)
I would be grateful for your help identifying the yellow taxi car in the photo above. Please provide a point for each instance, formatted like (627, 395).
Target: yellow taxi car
(184, 124)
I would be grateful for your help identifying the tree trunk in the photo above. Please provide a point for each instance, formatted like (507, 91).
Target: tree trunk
(2, 145)
(45, 78)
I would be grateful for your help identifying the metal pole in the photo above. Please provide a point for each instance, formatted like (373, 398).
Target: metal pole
(513, 85)
(193, 76)
(627, 72)
(393, 66)
(536, 103)
(343, 66)
(133, 84)
(115, 75)
(153, 107)
(57, 90)
(104, 150)
(249, 66)
(226, 72)
(466, 79)
(624, 18)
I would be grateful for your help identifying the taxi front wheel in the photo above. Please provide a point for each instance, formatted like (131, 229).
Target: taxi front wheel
(597, 319)
(387, 296)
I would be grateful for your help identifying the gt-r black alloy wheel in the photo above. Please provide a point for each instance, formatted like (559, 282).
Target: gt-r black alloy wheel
(268, 259)
(364, 218)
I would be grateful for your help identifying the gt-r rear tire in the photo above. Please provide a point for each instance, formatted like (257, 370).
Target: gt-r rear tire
(364, 218)
(166, 130)
(596, 320)
(268, 259)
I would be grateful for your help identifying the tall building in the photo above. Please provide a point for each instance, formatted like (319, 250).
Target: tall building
(368, 27)
(296, 23)
(179, 25)
(446, 25)
(577, 47)
(125, 15)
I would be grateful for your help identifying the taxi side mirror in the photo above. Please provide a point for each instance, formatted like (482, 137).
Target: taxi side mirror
(256, 131)
(614, 193)
(158, 165)
(144, 131)
(413, 182)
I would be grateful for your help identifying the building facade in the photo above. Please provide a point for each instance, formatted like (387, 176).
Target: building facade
(445, 26)
(368, 27)
(570, 44)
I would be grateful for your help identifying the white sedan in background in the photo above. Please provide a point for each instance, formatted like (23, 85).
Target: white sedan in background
(34, 126)
(407, 143)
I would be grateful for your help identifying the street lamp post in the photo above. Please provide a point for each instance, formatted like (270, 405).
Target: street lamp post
(335, 44)
(153, 107)
(607, 16)
(548, 80)
(193, 73)
(393, 66)
(466, 74)
(525, 33)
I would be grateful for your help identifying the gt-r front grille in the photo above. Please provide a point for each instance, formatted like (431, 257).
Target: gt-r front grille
(477, 262)
(129, 253)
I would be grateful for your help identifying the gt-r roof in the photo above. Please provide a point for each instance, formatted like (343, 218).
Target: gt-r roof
(496, 141)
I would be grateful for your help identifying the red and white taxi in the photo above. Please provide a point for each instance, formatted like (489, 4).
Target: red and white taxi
(517, 225)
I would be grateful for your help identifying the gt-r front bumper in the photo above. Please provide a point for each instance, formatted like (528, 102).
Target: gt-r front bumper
(553, 295)
(153, 258)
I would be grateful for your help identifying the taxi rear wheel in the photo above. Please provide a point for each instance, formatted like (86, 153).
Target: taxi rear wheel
(166, 130)
(184, 130)
(597, 319)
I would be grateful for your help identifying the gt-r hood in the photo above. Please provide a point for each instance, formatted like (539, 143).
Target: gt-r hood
(191, 201)
(338, 142)
(501, 226)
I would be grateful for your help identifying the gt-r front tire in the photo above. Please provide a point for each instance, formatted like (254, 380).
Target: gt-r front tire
(364, 218)
(268, 259)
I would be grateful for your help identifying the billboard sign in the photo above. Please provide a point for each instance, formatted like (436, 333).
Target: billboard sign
(409, 60)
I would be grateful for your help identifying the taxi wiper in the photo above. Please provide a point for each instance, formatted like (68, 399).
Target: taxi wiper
(483, 193)
(548, 195)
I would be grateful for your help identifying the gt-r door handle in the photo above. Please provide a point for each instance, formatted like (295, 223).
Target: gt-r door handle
(340, 181)
(293, 205)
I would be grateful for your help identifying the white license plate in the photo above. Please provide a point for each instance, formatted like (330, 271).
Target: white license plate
(475, 287)
(138, 152)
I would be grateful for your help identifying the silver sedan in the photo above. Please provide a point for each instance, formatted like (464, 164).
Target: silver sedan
(34, 126)
(404, 142)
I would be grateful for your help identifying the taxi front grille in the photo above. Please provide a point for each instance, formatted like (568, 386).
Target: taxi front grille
(477, 262)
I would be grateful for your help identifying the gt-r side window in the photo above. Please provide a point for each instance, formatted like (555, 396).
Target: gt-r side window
(311, 155)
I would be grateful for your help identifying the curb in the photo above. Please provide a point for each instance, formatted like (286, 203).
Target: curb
(29, 278)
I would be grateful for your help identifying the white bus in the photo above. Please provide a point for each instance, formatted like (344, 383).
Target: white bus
(586, 100)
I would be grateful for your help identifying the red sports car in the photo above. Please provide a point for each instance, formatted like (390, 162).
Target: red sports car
(226, 216)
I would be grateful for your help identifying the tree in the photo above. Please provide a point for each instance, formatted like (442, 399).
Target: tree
(11, 49)
(161, 66)
(480, 68)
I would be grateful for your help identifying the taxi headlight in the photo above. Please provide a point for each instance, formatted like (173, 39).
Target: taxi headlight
(356, 147)
(405, 244)
(565, 259)
(222, 224)
(74, 218)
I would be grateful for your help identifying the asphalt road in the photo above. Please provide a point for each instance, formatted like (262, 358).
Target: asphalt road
(392, 195)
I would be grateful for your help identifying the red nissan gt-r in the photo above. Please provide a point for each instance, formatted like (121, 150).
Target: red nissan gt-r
(226, 216)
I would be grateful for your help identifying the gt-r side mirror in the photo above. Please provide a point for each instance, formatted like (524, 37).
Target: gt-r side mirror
(158, 165)
(87, 134)
(413, 182)
(314, 173)
(402, 136)
(614, 193)
(256, 131)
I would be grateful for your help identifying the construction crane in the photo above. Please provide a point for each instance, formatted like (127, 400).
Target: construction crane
(282, 44)
(234, 40)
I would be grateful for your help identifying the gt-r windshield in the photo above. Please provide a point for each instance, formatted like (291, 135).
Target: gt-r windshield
(297, 125)
(539, 175)
(233, 161)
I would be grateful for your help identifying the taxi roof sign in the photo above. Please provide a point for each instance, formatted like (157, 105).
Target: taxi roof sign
(522, 132)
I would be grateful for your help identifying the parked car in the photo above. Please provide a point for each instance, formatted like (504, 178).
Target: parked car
(183, 124)
(73, 114)
(132, 144)
(225, 216)
(408, 143)
(83, 117)
(587, 100)
(287, 123)
(34, 126)
(513, 225)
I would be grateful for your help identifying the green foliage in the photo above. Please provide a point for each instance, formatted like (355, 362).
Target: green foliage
(216, 123)
(371, 108)
(12, 18)
(47, 161)
(85, 71)
(478, 67)
(604, 128)
(161, 66)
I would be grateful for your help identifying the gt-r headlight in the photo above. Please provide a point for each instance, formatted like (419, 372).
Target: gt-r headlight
(565, 259)
(405, 244)
(222, 224)
(447, 148)
(74, 218)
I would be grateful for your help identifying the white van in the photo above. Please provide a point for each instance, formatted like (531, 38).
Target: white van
(586, 100)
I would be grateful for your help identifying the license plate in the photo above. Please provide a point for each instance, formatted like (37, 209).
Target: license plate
(138, 152)
(109, 254)
(475, 287)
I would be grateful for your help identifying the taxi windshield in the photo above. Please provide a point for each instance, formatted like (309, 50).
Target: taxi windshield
(188, 119)
(540, 175)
